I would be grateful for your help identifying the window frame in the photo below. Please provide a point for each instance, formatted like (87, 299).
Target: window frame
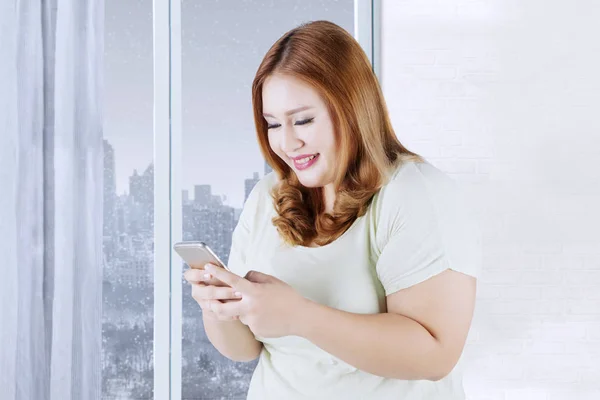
(167, 133)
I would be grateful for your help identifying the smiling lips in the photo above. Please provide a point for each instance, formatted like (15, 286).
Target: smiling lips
(305, 161)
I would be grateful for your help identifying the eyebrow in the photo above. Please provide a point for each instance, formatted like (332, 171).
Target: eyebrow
(294, 111)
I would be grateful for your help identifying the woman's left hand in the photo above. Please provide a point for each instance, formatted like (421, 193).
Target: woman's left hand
(269, 307)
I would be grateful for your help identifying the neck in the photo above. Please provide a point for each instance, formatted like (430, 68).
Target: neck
(329, 196)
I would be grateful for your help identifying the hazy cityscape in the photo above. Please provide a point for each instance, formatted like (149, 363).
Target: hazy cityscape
(127, 333)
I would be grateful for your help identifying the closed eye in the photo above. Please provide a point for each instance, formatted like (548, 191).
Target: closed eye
(303, 122)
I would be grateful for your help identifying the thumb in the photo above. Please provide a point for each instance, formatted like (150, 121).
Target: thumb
(258, 277)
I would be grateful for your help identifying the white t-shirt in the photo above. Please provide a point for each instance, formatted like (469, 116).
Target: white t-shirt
(417, 226)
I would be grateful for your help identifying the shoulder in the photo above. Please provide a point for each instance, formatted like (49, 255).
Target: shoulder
(417, 180)
(263, 187)
(416, 188)
(420, 194)
(423, 206)
(259, 200)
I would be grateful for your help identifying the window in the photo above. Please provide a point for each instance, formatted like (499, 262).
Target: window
(128, 310)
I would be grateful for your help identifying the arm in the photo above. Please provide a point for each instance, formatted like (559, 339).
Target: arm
(420, 337)
(229, 336)
(232, 338)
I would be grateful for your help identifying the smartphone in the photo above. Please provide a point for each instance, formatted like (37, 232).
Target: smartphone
(197, 254)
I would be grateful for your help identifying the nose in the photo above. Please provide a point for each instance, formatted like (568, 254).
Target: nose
(290, 141)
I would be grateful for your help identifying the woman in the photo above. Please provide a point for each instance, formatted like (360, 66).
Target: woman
(354, 262)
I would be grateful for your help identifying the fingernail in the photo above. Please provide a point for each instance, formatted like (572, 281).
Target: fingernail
(238, 294)
(206, 276)
(209, 267)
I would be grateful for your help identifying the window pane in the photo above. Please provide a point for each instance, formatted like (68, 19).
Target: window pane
(222, 46)
(127, 323)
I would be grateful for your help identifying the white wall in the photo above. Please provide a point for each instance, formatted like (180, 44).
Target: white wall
(505, 96)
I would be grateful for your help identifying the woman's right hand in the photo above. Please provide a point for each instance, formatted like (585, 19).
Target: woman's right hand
(207, 290)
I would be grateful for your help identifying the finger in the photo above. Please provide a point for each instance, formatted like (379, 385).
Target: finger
(193, 275)
(231, 310)
(237, 282)
(227, 301)
(243, 319)
(258, 277)
(208, 312)
(200, 275)
(210, 280)
(222, 293)
(208, 292)
(205, 306)
(197, 292)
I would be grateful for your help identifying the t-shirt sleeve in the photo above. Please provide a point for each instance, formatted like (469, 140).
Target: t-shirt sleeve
(427, 227)
(239, 240)
(242, 233)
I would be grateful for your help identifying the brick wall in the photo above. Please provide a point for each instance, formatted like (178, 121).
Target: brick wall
(505, 96)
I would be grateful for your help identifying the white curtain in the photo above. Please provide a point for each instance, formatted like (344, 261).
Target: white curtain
(51, 156)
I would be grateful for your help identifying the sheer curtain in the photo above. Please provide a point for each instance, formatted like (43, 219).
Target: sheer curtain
(51, 156)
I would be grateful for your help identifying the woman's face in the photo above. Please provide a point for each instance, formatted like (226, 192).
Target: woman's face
(301, 131)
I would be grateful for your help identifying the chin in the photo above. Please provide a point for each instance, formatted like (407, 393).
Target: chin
(309, 180)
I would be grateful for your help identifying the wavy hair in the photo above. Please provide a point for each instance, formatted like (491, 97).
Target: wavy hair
(325, 56)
